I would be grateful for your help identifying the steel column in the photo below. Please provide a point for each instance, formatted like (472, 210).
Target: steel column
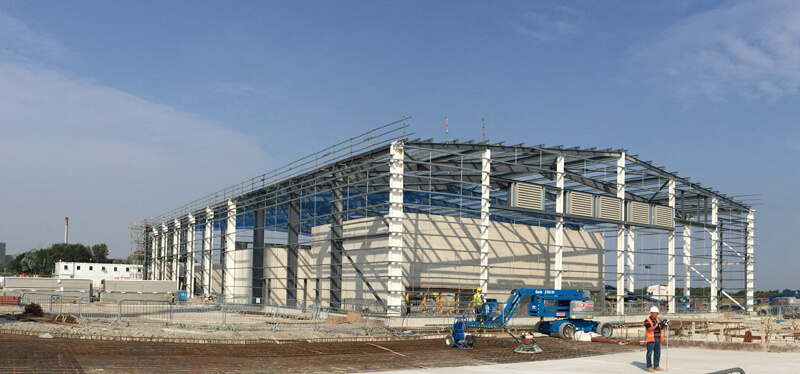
(687, 258)
(671, 250)
(190, 231)
(257, 280)
(229, 290)
(749, 282)
(486, 168)
(176, 249)
(292, 248)
(335, 286)
(630, 249)
(621, 237)
(208, 245)
(395, 258)
(715, 265)
(559, 266)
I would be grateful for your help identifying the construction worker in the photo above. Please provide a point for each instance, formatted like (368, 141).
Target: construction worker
(477, 300)
(653, 338)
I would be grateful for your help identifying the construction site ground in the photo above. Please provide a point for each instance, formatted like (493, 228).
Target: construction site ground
(44, 345)
(33, 354)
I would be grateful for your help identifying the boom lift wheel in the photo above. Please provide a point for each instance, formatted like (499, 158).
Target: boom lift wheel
(566, 330)
(605, 330)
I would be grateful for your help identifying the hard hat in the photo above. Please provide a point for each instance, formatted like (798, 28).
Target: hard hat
(479, 289)
(654, 309)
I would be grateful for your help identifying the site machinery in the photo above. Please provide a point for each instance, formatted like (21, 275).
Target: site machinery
(566, 311)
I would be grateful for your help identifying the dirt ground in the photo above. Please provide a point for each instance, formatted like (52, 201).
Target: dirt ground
(32, 354)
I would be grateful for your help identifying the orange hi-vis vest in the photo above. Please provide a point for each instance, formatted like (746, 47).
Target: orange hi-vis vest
(650, 336)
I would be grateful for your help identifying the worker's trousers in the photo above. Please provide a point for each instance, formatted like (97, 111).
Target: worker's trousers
(654, 349)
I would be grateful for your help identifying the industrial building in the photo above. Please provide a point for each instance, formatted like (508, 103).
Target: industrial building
(371, 223)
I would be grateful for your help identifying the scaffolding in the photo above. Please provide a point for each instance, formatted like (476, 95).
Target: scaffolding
(381, 223)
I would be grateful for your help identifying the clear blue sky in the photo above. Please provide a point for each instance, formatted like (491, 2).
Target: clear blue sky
(112, 111)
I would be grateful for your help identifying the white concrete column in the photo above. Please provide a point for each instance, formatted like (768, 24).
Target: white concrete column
(671, 250)
(230, 254)
(395, 259)
(190, 255)
(486, 169)
(164, 250)
(630, 248)
(208, 245)
(715, 265)
(687, 258)
(559, 264)
(749, 260)
(176, 253)
(621, 236)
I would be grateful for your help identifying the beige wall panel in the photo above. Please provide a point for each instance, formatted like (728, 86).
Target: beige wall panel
(443, 252)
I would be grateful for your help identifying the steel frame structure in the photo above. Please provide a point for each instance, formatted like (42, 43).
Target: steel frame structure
(642, 211)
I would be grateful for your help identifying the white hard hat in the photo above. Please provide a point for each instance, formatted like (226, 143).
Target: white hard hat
(654, 309)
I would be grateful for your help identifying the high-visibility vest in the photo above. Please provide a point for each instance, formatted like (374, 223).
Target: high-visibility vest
(650, 336)
(477, 299)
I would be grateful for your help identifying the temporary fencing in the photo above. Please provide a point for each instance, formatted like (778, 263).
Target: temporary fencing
(191, 314)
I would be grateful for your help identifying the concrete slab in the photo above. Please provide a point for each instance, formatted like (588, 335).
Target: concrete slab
(677, 360)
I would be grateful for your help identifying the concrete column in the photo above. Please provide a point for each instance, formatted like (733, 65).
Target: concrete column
(229, 289)
(208, 245)
(671, 250)
(176, 253)
(486, 169)
(190, 250)
(395, 258)
(749, 260)
(687, 258)
(715, 265)
(630, 248)
(559, 265)
(621, 237)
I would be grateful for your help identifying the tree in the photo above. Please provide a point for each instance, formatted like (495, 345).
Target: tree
(100, 253)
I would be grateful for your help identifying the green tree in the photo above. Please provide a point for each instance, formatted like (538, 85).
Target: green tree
(100, 253)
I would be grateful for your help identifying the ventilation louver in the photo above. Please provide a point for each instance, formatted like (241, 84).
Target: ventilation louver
(609, 208)
(639, 213)
(526, 195)
(580, 204)
(663, 216)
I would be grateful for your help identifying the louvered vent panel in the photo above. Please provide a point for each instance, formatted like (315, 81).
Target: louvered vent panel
(528, 196)
(580, 204)
(663, 216)
(609, 208)
(639, 213)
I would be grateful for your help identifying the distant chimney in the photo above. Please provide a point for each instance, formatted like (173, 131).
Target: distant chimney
(66, 230)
